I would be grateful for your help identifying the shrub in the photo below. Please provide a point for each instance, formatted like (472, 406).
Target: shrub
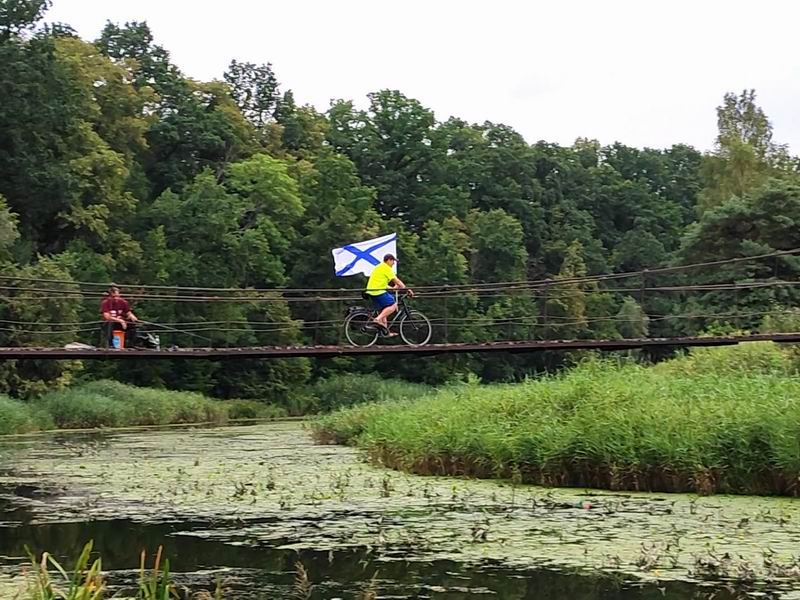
(16, 416)
(76, 408)
(348, 390)
(253, 409)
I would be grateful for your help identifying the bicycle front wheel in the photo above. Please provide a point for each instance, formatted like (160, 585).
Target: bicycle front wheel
(415, 328)
(360, 330)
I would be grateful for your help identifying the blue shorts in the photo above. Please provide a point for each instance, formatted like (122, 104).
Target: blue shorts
(384, 300)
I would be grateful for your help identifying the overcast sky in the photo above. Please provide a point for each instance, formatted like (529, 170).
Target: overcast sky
(644, 72)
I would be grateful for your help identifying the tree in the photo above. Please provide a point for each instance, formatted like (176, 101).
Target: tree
(633, 322)
(303, 129)
(498, 249)
(57, 171)
(390, 145)
(36, 318)
(566, 302)
(761, 222)
(19, 15)
(255, 90)
(9, 230)
(197, 126)
(745, 155)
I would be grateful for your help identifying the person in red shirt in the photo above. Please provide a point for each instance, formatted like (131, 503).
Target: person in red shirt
(117, 314)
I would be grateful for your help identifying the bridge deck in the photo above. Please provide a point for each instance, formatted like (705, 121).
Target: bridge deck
(327, 351)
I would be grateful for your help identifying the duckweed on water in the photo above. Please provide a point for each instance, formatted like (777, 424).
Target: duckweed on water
(718, 421)
(269, 486)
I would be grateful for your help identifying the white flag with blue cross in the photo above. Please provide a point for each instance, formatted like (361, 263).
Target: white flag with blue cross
(363, 257)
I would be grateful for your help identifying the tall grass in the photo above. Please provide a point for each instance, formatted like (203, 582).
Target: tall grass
(108, 403)
(17, 416)
(718, 420)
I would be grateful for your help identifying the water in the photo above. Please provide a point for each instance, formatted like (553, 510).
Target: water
(248, 504)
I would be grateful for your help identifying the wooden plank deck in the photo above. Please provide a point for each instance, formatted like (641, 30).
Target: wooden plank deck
(267, 352)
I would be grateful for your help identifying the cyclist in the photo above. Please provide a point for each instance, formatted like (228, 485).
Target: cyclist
(381, 279)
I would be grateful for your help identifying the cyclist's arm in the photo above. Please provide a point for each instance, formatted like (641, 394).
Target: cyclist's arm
(397, 283)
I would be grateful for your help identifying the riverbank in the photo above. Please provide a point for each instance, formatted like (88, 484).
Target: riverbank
(717, 421)
(106, 403)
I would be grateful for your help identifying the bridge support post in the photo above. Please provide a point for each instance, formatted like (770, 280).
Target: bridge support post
(316, 325)
(643, 290)
(446, 314)
(545, 289)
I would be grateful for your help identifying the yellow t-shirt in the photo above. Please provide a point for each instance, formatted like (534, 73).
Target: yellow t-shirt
(379, 280)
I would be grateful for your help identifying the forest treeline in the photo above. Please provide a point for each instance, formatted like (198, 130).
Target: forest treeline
(116, 166)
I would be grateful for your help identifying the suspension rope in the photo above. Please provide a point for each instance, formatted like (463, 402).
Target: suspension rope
(190, 290)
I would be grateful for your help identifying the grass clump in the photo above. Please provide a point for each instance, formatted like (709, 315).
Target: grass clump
(107, 403)
(16, 416)
(716, 420)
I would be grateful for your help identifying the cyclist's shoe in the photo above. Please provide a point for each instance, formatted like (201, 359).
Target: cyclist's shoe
(384, 331)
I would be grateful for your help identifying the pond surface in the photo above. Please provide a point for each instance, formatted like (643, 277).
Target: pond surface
(247, 504)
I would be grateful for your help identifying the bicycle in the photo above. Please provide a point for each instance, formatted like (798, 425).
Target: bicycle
(362, 331)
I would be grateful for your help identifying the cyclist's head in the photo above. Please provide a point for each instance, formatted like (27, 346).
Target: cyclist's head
(389, 257)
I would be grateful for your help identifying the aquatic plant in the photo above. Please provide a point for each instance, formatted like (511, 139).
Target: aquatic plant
(155, 583)
(85, 583)
(301, 590)
(718, 420)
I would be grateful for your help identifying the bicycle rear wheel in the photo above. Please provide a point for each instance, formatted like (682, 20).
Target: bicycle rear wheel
(415, 328)
(360, 330)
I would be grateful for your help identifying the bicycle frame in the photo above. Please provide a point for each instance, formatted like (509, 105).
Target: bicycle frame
(402, 309)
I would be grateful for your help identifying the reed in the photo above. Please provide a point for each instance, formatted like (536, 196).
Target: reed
(108, 403)
(715, 421)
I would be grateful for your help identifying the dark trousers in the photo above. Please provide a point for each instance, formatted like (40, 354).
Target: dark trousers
(109, 327)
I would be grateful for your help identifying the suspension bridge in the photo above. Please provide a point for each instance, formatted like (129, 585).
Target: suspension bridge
(487, 317)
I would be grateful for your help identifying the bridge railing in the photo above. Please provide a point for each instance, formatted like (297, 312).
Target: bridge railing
(738, 293)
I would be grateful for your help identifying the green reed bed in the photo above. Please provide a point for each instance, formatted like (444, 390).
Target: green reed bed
(722, 420)
(112, 404)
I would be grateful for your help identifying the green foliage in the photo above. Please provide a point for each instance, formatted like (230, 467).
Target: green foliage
(19, 15)
(633, 322)
(347, 390)
(498, 246)
(253, 409)
(255, 90)
(29, 312)
(745, 155)
(106, 403)
(16, 416)
(116, 166)
(717, 420)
